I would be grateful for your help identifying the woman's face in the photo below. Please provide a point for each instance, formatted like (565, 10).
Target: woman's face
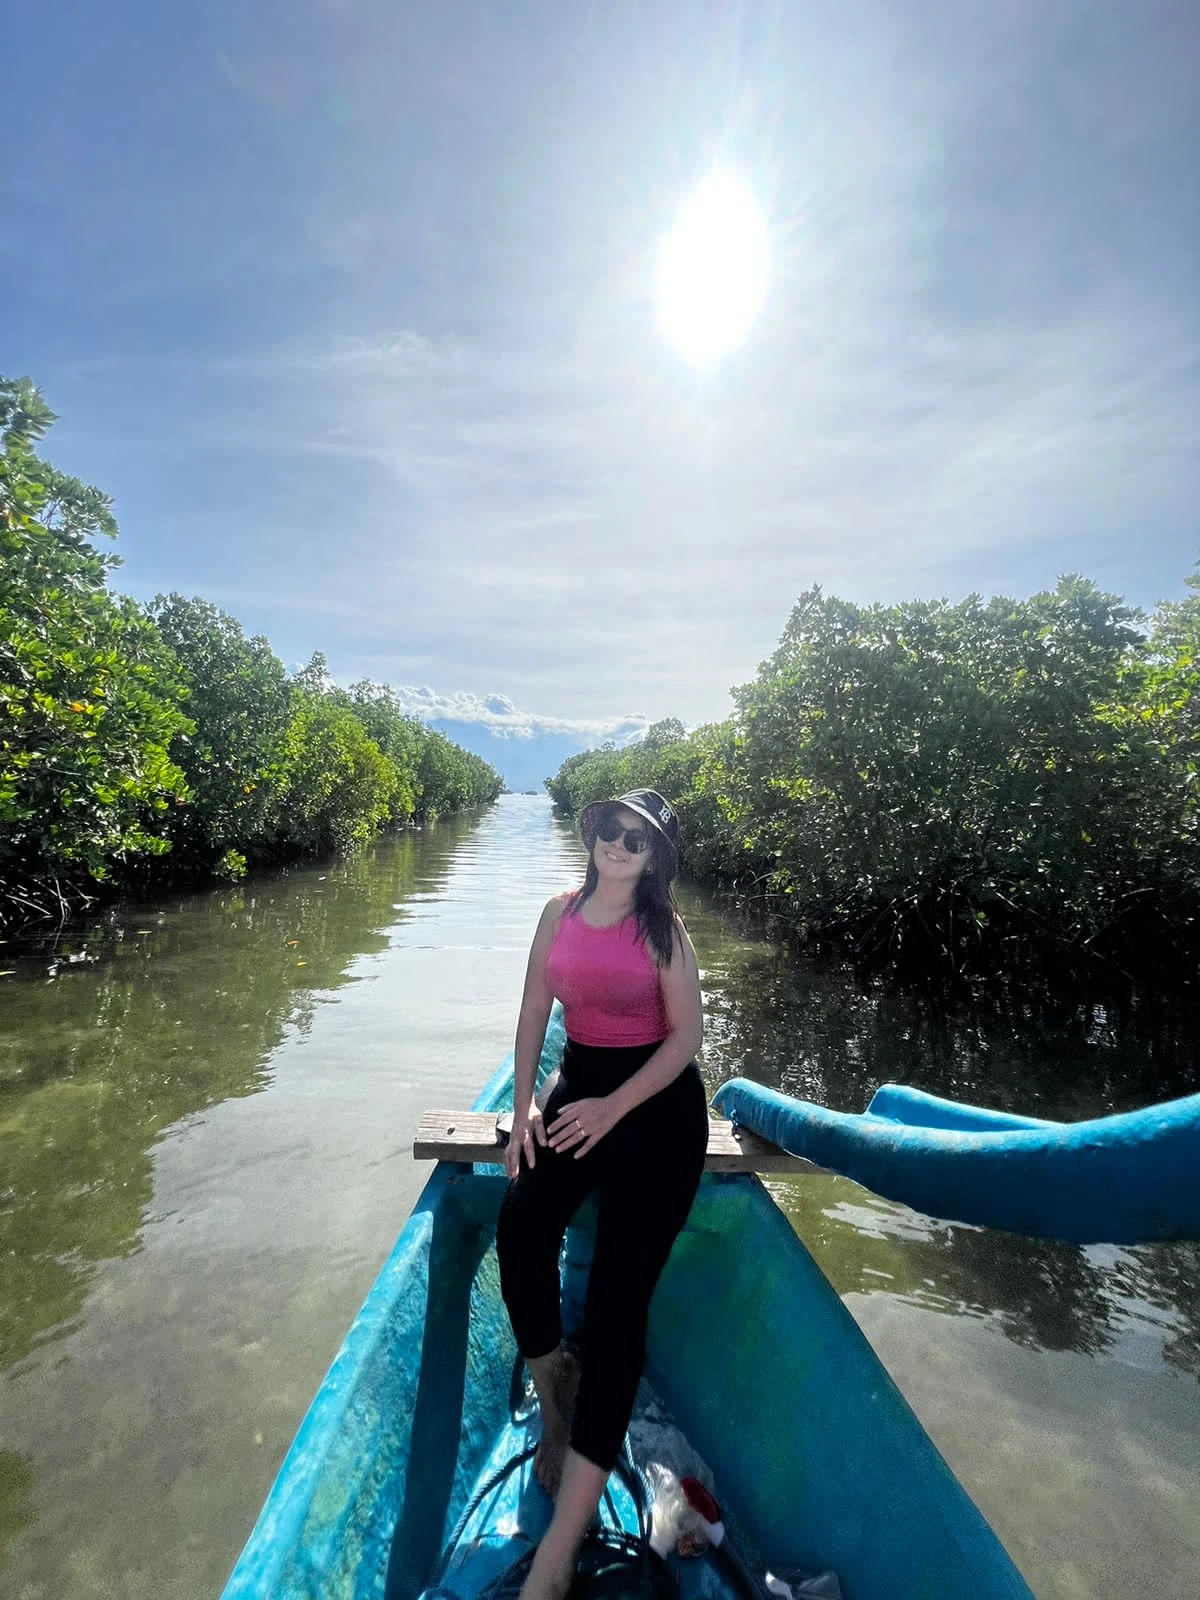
(614, 858)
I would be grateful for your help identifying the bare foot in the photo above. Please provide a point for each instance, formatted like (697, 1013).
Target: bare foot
(556, 1378)
(547, 1584)
(554, 1560)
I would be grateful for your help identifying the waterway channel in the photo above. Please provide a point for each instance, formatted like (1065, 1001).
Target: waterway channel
(206, 1110)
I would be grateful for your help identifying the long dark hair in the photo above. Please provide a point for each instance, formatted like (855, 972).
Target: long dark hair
(653, 898)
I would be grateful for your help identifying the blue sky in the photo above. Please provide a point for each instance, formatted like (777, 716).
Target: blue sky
(350, 306)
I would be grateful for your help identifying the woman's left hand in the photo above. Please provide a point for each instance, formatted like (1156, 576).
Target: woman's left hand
(581, 1125)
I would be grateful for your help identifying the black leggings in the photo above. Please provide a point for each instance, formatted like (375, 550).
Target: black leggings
(644, 1173)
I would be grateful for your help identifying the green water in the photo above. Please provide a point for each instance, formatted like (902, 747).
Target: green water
(206, 1109)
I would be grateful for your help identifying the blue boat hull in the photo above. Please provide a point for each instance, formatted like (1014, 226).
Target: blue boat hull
(813, 1449)
(1121, 1179)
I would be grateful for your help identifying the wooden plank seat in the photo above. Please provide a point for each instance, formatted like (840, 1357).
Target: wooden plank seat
(471, 1136)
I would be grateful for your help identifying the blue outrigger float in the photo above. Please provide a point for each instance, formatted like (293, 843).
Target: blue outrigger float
(816, 1457)
(1124, 1179)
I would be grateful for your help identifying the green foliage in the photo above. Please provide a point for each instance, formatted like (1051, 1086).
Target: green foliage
(354, 763)
(400, 737)
(239, 701)
(434, 777)
(337, 785)
(931, 768)
(450, 778)
(232, 866)
(1161, 718)
(660, 734)
(964, 783)
(126, 734)
(89, 695)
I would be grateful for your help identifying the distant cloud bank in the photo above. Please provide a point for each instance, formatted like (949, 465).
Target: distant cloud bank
(500, 716)
(524, 747)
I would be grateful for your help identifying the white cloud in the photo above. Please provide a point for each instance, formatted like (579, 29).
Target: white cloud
(503, 720)
(481, 464)
(605, 530)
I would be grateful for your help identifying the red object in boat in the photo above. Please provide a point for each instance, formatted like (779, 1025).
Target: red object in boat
(698, 1497)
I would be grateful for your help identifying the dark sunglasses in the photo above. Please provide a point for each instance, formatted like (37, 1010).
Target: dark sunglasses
(635, 841)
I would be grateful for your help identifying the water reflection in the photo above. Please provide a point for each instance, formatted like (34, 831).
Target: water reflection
(819, 1030)
(203, 1130)
(1159, 1285)
(157, 1013)
(161, 1011)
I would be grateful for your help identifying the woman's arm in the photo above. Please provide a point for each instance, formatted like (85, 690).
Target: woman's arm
(536, 1001)
(584, 1123)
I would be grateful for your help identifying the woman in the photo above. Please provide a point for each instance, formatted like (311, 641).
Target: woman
(627, 1121)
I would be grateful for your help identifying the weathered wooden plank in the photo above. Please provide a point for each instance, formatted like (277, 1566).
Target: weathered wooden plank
(470, 1136)
(747, 1152)
(457, 1136)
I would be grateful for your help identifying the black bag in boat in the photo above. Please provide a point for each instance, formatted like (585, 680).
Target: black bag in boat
(610, 1567)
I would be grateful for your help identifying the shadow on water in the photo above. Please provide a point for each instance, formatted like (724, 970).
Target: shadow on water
(160, 1011)
(824, 1032)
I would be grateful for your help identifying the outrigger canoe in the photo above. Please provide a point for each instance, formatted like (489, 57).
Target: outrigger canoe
(1124, 1179)
(410, 1474)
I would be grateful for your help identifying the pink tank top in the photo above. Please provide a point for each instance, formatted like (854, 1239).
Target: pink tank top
(608, 983)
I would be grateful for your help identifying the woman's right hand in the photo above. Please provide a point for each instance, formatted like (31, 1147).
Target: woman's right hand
(528, 1131)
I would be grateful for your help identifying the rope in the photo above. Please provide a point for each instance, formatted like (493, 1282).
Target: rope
(613, 1542)
(481, 1494)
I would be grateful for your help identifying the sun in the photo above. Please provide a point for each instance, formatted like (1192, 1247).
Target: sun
(712, 273)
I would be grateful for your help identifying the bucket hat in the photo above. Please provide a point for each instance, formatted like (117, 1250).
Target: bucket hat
(647, 803)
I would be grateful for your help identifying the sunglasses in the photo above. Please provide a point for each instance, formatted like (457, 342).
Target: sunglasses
(635, 841)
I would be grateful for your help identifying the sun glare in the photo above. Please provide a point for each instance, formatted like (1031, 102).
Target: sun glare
(712, 273)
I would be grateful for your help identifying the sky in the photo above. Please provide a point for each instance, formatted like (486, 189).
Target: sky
(351, 307)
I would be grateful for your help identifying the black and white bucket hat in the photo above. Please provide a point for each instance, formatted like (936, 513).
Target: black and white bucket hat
(647, 803)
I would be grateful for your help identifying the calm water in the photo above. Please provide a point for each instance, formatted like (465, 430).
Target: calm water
(206, 1108)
